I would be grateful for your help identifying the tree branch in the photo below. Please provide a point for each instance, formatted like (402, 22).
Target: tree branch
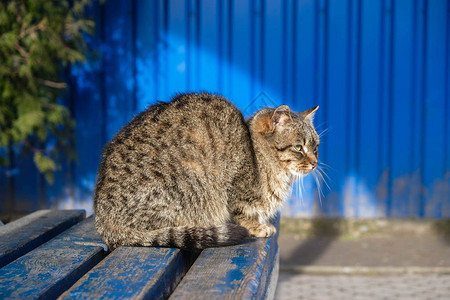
(32, 29)
(53, 84)
(22, 51)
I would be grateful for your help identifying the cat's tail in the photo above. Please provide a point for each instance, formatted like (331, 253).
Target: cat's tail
(183, 237)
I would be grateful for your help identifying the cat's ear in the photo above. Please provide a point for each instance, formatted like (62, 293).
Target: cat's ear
(280, 117)
(309, 113)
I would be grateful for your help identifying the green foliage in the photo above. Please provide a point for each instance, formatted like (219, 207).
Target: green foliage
(38, 38)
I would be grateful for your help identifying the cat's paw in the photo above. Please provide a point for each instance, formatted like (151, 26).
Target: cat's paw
(262, 230)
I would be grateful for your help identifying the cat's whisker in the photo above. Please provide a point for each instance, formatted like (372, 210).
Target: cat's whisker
(299, 188)
(302, 187)
(321, 173)
(324, 165)
(321, 125)
(323, 132)
(319, 188)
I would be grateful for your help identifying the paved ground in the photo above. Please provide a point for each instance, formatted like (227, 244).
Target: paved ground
(401, 251)
(412, 262)
(352, 287)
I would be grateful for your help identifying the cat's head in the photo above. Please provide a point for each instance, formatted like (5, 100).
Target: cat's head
(292, 135)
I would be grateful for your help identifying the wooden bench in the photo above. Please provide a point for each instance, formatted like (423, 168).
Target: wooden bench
(51, 254)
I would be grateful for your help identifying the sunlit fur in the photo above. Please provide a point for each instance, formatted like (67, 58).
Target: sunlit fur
(192, 173)
(320, 177)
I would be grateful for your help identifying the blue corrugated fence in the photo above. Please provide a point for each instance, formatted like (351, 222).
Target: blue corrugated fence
(378, 69)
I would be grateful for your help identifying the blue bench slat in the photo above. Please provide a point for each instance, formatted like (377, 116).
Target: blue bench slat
(235, 272)
(271, 280)
(246, 271)
(23, 235)
(53, 267)
(133, 273)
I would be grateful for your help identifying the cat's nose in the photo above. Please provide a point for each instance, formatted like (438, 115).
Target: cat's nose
(314, 164)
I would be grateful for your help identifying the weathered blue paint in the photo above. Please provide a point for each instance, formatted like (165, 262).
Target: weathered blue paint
(27, 233)
(133, 273)
(378, 69)
(73, 266)
(52, 268)
(246, 271)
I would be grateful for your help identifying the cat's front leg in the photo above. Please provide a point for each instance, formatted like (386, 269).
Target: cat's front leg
(254, 227)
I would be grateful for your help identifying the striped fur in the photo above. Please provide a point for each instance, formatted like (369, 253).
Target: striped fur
(193, 174)
(184, 237)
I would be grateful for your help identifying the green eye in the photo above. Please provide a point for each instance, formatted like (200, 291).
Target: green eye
(298, 148)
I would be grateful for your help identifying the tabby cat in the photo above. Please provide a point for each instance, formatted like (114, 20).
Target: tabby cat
(192, 173)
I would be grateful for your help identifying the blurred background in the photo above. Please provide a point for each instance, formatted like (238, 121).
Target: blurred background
(378, 69)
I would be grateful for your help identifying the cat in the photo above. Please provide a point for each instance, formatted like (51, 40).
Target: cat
(193, 174)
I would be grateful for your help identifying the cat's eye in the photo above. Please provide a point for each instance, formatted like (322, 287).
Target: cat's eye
(316, 150)
(298, 148)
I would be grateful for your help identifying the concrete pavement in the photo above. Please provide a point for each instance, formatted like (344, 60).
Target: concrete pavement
(349, 287)
(364, 259)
